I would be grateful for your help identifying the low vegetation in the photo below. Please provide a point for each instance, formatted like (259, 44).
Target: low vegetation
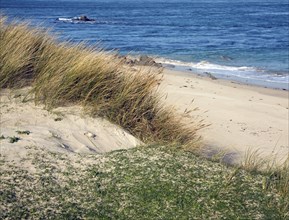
(62, 73)
(142, 183)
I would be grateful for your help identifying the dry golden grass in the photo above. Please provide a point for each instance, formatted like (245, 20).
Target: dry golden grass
(276, 174)
(61, 73)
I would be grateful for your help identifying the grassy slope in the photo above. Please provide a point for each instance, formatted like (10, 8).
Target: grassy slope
(142, 183)
(66, 74)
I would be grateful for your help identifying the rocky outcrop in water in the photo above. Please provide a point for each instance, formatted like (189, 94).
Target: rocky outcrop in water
(84, 18)
(143, 60)
(79, 19)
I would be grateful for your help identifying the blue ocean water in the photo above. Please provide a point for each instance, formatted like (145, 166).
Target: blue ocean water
(245, 40)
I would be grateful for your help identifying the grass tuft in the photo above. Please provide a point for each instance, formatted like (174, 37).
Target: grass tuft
(276, 174)
(62, 73)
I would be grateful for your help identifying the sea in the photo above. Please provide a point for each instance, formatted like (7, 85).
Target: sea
(240, 40)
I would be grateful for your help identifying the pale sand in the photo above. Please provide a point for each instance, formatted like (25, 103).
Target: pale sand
(242, 117)
(63, 129)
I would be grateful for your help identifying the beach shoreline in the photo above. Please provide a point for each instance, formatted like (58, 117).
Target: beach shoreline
(242, 118)
(240, 74)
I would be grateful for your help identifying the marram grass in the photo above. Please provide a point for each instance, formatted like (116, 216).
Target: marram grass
(61, 73)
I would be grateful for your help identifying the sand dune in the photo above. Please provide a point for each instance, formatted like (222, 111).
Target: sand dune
(63, 129)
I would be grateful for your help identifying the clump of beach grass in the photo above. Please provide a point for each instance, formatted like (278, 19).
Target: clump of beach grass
(61, 73)
(276, 174)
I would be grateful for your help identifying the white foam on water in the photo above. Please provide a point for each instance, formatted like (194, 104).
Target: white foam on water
(210, 66)
(224, 71)
(205, 65)
(76, 21)
(65, 19)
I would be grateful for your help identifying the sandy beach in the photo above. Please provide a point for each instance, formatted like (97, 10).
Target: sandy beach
(240, 117)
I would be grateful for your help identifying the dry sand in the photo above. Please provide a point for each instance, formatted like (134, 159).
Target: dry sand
(64, 129)
(242, 117)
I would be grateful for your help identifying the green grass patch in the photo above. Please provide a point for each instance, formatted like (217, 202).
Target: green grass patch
(142, 183)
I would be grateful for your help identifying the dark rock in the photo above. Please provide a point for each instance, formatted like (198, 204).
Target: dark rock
(148, 61)
(142, 61)
(128, 60)
(83, 18)
(145, 60)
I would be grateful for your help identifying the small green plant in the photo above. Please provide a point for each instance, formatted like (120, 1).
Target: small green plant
(23, 132)
(13, 139)
(2, 137)
(58, 119)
